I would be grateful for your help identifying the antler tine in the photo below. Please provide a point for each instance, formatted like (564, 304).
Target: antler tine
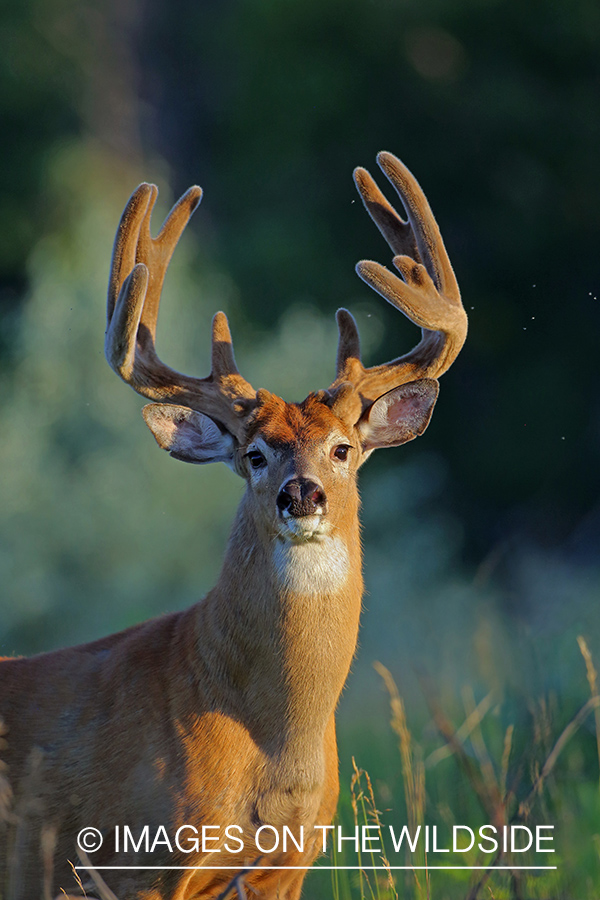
(427, 293)
(398, 233)
(138, 270)
(423, 225)
(348, 353)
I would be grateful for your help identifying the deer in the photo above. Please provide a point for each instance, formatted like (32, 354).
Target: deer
(222, 716)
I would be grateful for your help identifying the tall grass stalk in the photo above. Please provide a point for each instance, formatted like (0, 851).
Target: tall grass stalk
(592, 677)
(370, 816)
(413, 776)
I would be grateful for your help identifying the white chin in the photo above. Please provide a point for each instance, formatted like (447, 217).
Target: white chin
(305, 528)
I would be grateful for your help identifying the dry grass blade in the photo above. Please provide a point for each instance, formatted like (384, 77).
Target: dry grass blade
(237, 882)
(374, 814)
(592, 704)
(505, 760)
(63, 893)
(413, 770)
(104, 892)
(477, 741)
(592, 677)
(356, 797)
(525, 807)
(487, 790)
(472, 721)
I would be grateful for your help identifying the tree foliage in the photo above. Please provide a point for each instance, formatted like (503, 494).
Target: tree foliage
(270, 106)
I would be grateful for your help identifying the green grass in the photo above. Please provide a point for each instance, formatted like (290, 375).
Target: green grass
(497, 760)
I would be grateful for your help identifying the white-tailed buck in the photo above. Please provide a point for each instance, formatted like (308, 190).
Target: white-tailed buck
(222, 716)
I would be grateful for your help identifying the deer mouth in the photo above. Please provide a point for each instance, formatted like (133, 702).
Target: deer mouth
(299, 529)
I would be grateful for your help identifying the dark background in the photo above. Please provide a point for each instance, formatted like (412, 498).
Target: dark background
(270, 106)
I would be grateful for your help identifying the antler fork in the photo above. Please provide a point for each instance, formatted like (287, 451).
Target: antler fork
(427, 293)
(139, 265)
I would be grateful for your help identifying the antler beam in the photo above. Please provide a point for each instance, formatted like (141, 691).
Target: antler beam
(427, 292)
(139, 265)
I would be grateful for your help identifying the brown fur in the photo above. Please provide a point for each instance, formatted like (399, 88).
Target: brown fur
(224, 714)
(220, 715)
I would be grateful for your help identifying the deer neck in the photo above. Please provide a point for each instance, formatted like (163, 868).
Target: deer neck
(282, 625)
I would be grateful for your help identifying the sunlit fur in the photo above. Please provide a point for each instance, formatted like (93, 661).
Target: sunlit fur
(222, 714)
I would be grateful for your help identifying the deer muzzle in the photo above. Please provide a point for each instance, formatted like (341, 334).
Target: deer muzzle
(301, 497)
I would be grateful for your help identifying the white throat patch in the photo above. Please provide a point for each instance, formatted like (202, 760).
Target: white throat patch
(312, 567)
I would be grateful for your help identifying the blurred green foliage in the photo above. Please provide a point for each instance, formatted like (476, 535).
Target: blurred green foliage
(270, 106)
(493, 106)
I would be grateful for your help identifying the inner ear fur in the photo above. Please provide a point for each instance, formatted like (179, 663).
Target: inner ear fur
(398, 416)
(189, 435)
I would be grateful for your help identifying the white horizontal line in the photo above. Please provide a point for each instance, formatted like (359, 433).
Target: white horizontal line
(312, 868)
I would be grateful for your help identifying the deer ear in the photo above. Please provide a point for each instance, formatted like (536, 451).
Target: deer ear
(398, 416)
(189, 435)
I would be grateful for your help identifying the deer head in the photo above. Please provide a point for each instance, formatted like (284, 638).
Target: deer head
(294, 457)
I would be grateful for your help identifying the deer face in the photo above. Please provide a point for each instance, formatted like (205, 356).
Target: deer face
(300, 460)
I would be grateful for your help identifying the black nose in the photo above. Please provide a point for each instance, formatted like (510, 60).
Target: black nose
(301, 497)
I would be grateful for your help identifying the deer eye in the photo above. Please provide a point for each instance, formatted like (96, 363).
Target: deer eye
(340, 452)
(257, 460)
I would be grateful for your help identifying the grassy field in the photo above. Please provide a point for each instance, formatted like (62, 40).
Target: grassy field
(485, 761)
